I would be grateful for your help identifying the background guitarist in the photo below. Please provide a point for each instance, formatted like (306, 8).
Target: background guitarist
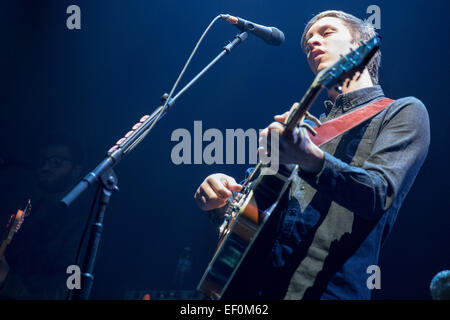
(347, 194)
(36, 260)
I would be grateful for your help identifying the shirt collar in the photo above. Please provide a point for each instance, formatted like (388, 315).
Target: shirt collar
(350, 100)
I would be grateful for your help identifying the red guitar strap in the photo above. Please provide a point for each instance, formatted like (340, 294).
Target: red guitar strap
(333, 128)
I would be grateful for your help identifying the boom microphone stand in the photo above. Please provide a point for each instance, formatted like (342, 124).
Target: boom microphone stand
(107, 181)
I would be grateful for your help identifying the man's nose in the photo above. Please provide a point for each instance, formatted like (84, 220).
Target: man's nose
(313, 42)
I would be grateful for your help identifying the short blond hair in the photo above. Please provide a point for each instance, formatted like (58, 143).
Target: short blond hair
(359, 29)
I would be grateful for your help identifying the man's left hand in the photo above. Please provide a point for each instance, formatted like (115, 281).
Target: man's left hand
(295, 147)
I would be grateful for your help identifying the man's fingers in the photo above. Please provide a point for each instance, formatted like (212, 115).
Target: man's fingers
(220, 188)
(233, 185)
(205, 201)
(200, 199)
(215, 191)
(276, 126)
(281, 117)
(208, 191)
(230, 184)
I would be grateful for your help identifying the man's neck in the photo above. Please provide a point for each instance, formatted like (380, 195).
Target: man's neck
(359, 81)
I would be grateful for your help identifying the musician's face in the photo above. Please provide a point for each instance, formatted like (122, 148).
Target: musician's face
(326, 40)
(55, 169)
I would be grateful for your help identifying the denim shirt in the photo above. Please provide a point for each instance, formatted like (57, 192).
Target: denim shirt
(337, 220)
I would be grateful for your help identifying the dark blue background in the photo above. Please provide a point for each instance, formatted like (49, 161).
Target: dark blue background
(95, 83)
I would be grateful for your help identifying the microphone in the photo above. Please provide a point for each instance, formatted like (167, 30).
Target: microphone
(440, 286)
(270, 35)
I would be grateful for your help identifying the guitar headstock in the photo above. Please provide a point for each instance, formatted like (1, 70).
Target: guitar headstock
(16, 220)
(21, 217)
(356, 59)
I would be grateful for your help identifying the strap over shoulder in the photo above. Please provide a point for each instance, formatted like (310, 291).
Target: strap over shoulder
(333, 128)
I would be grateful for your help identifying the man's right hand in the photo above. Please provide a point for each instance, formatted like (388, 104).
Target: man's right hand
(215, 190)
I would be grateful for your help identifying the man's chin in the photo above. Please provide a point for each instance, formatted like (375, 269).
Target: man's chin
(319, 68)
(323, 65)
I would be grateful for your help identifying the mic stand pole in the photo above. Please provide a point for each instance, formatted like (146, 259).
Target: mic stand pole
(105, 176)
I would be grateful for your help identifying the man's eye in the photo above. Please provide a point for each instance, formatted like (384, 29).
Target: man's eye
(56, 161)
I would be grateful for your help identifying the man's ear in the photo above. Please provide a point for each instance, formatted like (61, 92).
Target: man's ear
(355, 43)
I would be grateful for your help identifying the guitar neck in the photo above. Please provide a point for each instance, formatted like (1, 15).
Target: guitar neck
(3, 248)
(299, 110)
(297, 113)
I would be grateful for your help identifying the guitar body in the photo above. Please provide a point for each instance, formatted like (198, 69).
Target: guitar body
(249, 236)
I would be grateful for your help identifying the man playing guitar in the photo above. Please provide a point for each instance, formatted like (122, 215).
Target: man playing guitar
(345, 198)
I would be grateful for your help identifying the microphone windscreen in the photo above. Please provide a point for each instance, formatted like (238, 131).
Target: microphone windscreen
(440, 286)
(277, 37)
